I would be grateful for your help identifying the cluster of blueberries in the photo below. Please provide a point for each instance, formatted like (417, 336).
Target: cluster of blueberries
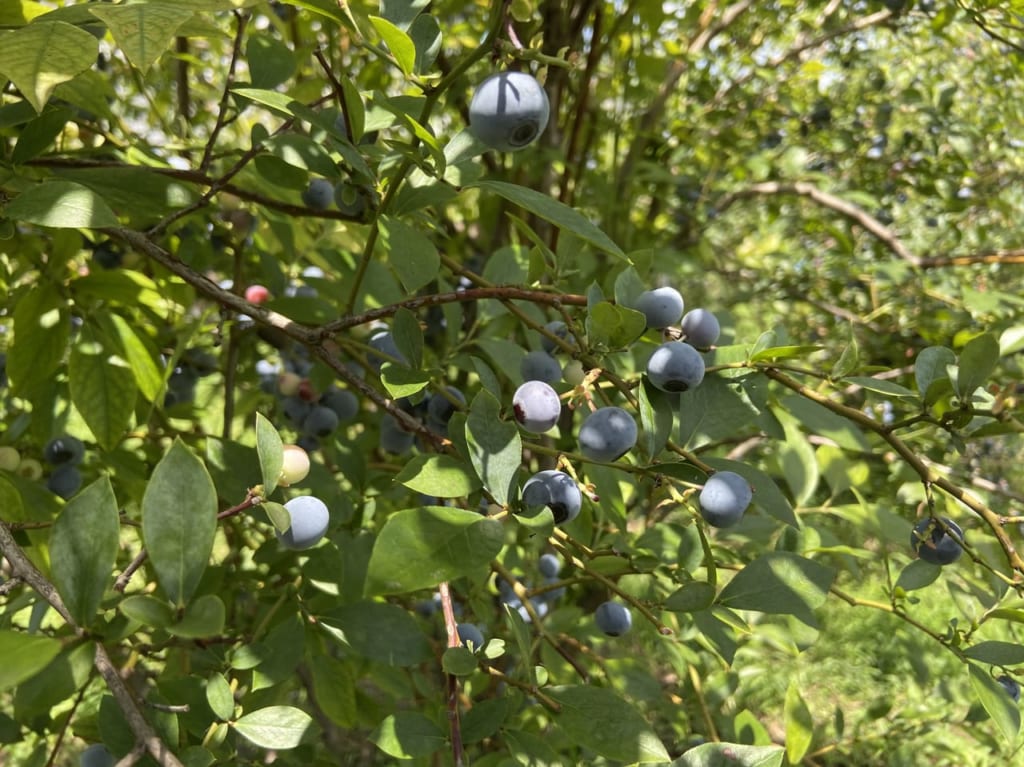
(62, 454)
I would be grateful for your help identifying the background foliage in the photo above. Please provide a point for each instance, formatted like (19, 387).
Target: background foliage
(838, 181)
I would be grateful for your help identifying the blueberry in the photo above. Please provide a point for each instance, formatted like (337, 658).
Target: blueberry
(508, 111)
(933, 544)
(555, 490)
(662, 307)
(470, 636)
(1011, 685)
(701, 327)
(385, 348)
(441, 408)
(344, 403)
(540, 366)
(319, 194)
(613, 619)
(393, 438)
(724, 498)
(294, 465)
(321, 421)
(64, 449)
(558, 329)
(573, 373)
(309, 517)
(607, 434)
(549, 565)
(97, 755)
(675, 367)
(65, 481)
(199, 361)
(308, 442)
(536, 406)
(107, 256)
(296, 409)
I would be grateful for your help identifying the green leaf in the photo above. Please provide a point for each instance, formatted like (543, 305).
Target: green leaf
(269, 449)
(148, 377)
(277, 102)
(799, 724)
(41, 332)
(732, 754)
(408, 735)
(143, 31)
(334, 683)
(552, 210)
(39, 133)
(691, 597)
(83, 549)
(147, 610)
(820, 420)
(784, 352)
(767, 495)
(279, 516)
(780, 582)
(993, 698)
(485, 718)
(179, 519)
(848, 361)
(917, 575)
(798, 463)
(612, 327)
(881, 386)
(61, 205)
(997, 653)
(930, 368)
(102, 387)
(442, 476)
(402, 13)
(405, 329)
(219, 696)
(25, 655)
(271, 62)
(379, 631)
(596, 718)
(398, 42)
(410, 252)
(495, 447)
(977, 360)
(459, 661)
(420, 548)
(425, 34)
(40, 56)
(403, 381)
(204, 617)
(277, 727)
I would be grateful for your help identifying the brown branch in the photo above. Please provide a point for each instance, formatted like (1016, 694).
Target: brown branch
(847, 209)
(144, 734)
(121, 582)
(452, 696)
(229, 80)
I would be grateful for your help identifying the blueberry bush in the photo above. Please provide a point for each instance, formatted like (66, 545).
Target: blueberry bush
(511, 382)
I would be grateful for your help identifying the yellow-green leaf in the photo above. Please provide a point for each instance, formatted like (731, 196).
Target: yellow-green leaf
(40, 56)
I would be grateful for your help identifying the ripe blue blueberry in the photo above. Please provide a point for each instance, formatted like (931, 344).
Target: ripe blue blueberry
(321, 421)
(383, 343)
(675, 367)
(441, 407)
(613, 619)
(393, 438)
(557, 491)
(701, 328)
(536, 406)
(933, 544)
(310, 519)
(344, 403)
(107, 256)
(1011, 685)
(549, 565)
(662, 306)
(97, 755)
(508, 111)
(558, 329)
(607, 434)
(319, 194)
(64, 449)
(65, 480)
(296, 409)
(724, 498)
(538, 365)
(470, 636)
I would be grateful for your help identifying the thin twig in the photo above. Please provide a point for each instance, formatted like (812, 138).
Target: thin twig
(229, 80)
(452, 693)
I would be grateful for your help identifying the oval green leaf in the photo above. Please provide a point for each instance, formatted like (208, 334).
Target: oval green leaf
(442, 476)
(279, 727)
(598, 719)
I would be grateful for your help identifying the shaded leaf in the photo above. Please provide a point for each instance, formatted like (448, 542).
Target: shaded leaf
(204, 617)
(731, 755)
(40, 56)
(799, 724)
(993, 698)
(780, 582)
(442, 476)
(269, 449)
(83, 549)
(102, 387)
(407, 735)
(378, 631)
(997, 653)
(410, 252)
(930, 368)
(61, 205)
(143, 31)
(495, 447)
(25, 655)
(977, 360)
(596, 718)
(610, 326)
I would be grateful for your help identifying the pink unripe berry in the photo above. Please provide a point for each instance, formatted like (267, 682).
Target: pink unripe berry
(256, 294)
